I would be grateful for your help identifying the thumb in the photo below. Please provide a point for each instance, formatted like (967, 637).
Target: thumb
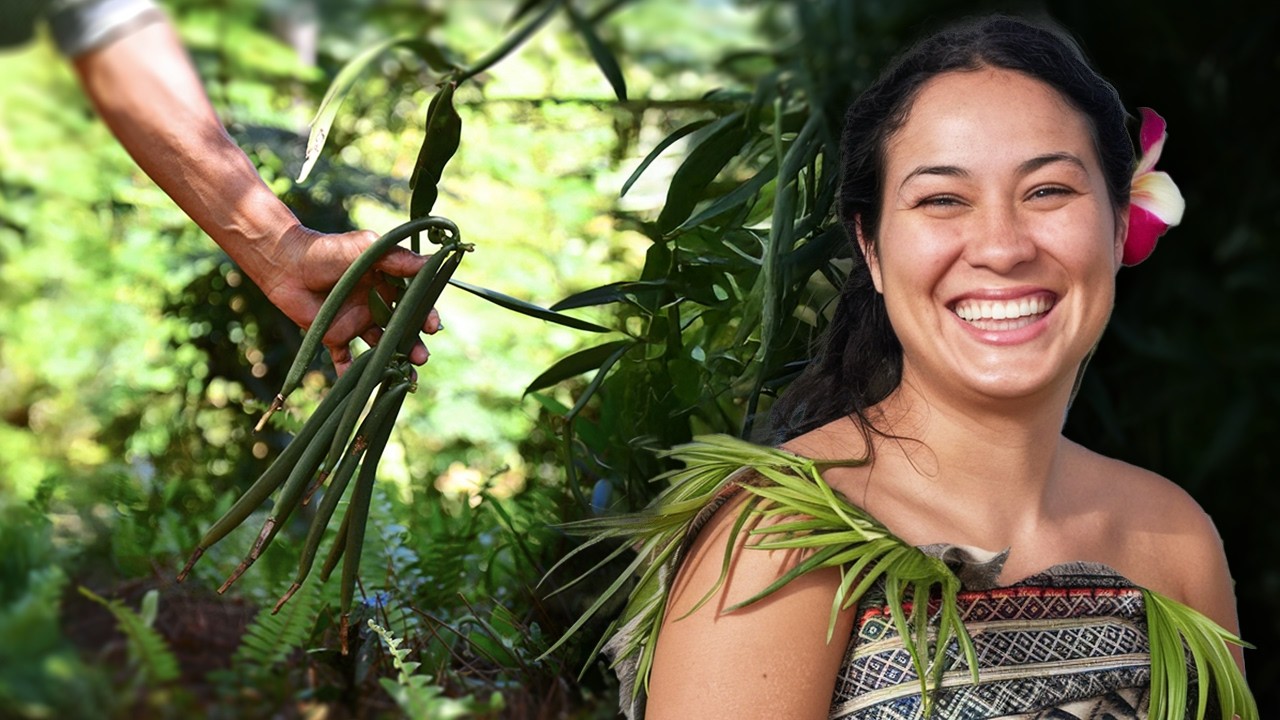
(400, 262)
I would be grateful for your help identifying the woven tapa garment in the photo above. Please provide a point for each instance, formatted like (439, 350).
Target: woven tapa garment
(1069, 643)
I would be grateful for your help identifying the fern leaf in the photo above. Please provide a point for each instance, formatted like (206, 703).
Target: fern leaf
(270, 638)
(148, 651)
(416, 695)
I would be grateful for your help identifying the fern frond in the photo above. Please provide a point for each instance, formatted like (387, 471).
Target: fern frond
(156, 663)
(414, 692)
(270, 638)
(1175, 630)
(802, 512)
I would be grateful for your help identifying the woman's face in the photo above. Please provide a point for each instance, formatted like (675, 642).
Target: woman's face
(998, 243)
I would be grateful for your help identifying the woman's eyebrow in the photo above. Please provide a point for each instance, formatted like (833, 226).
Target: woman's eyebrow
(1029, 166)
(946, 170)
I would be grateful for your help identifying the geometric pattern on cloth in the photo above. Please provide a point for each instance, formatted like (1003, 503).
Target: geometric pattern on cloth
(1049, 648)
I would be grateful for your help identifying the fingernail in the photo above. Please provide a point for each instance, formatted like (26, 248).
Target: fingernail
(439, 326)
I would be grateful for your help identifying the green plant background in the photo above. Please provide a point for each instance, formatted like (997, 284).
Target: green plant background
(134, 357)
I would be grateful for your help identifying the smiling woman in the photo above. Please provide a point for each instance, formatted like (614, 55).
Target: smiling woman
(986, 189)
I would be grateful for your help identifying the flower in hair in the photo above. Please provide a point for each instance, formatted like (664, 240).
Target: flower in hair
(1155, 203)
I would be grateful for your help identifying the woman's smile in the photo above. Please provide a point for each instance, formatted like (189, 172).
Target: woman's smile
(1003, 317)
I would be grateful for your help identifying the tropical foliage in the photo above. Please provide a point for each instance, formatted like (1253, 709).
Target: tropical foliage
(659, 169)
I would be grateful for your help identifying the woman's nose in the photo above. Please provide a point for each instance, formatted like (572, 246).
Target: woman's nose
(1000, 241)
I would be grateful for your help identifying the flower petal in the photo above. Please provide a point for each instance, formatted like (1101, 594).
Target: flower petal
(1151, 139)
(1153, 129)
(1156, 193)
(1144, 230)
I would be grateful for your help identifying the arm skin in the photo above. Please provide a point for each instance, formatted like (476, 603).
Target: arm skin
(146, 90)
(768, 660)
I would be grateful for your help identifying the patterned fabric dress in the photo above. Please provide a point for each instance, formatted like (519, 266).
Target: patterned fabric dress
(1069, 643)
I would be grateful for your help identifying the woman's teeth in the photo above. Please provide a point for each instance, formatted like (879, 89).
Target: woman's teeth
(1003, 314)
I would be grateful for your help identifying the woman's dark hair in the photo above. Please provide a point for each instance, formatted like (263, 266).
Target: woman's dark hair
(859, 360)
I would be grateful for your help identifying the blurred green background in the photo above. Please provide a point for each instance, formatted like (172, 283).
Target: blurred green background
(134, 357)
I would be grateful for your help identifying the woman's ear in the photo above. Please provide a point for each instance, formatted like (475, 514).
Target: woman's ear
(868, 248)
(1122, 235)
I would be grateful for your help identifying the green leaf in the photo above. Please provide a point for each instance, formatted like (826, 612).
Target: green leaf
(515, 40)
(522, 10)
(1170, 624)
(596, 381)
(150, 607)
(149, 651)
(610, 293)
(735, 198)
(443, 134)
(724, 140)
(529, 309)
(436, 57)
(667, 142)
(578, 363)
(333, 97)
(600, 52)
(271, 637)
(378, 307)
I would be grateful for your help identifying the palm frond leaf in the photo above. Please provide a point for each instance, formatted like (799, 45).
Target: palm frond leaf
(1175, 631)
(789, 506)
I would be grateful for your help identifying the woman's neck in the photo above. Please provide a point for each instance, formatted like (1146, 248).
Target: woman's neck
(996, 463)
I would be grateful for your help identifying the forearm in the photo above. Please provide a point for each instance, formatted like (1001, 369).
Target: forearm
(146, 90)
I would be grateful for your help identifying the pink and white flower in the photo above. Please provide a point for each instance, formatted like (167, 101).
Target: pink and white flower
(1155, 202)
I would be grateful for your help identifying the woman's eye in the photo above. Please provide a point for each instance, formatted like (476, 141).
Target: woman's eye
(1051, 191)
(939, 201)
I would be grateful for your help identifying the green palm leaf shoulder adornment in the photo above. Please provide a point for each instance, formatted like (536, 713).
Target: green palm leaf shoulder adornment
(1175, 631)
(789, 506)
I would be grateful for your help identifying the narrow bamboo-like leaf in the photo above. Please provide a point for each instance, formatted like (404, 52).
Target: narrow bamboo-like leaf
(432, 54)
(790, 488)
(522, 10)
(667, 142)
(600, 52)
(440, 142)
(603, 11)
(610, 293)
(724, 140)
(578, 363)
(513, 41)
(526, 308)
(333, 97)
(734, 198)
(597, 381)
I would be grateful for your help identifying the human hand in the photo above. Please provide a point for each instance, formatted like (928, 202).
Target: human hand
(305, 267)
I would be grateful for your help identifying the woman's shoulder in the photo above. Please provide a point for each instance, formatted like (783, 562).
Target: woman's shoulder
(1173, 541)
(1145, 500)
